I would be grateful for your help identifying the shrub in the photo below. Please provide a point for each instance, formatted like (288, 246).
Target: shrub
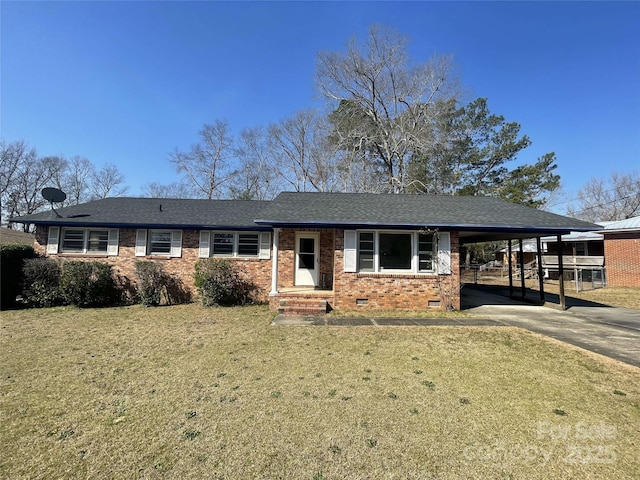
(154, 285)
(219, 282)
(12, 257)
(89, 284)
(150, 282)
(41, 282)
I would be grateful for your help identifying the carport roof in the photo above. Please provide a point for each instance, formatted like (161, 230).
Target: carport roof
(476, 218)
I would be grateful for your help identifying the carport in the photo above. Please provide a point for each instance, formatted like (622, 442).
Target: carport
(512, 234)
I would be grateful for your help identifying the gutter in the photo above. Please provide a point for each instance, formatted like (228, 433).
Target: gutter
(446, 226)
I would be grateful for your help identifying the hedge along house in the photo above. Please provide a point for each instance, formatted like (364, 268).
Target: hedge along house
(172, 232)
(306, 252)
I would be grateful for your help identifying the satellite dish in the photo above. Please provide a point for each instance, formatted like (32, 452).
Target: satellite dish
(53, 195)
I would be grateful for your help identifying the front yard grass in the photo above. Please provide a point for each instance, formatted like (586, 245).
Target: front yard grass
(193, 392)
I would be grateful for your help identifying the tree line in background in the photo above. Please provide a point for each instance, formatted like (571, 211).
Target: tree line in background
(390, 126)
(613, 198)
(23, 174)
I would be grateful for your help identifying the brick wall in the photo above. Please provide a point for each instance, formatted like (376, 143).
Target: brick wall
(392, 291)
(286, 256)
(183, 267)
(622, 259)
(387, 291)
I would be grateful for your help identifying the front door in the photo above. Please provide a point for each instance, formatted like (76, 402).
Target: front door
(307, 259)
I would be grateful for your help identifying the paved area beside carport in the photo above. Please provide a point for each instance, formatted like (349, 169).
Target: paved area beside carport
(609, 331)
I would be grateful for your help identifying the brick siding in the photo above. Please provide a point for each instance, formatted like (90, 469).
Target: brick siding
(395, 291)
(287, 262)
(622, 259)
(385, 291)
(181, 267)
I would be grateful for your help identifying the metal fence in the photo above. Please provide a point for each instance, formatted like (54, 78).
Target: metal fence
(582, 278)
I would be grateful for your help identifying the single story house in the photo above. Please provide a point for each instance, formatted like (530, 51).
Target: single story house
(304, 251)
(622, 252)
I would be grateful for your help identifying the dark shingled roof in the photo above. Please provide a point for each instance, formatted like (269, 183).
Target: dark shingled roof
(155, 213)
(477, 218)
(465, 213)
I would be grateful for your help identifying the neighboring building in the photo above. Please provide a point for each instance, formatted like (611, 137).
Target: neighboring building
(528, 255)
(9, 236)
(329, 249)
(622, 252)
(576, 244)
(582, 257)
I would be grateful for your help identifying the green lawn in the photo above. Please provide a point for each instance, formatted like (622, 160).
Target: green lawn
(192, 392)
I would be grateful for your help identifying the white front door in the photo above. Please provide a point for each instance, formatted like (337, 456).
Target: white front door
(307, 259)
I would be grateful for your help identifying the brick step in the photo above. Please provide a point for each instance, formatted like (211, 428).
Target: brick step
(303, 306)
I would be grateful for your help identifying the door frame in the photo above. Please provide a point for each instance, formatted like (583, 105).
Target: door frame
(298, 276)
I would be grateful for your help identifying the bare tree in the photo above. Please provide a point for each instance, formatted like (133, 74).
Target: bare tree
(107, 182)
(13, 157)
(257, 177)
(207, 165)
(170, 190)
(302, 154)
(615, 198)
(388, 104)
(23, 196)
(77, 180)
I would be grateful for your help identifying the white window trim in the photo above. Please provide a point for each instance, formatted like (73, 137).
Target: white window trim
(143, 243)
(53, 240)
(207, 237)
(150, 242)
(234, 245)
(353, 248)
(57, 242)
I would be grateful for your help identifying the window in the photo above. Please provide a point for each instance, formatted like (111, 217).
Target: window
(97, 240)
(166, 243)
(395, 251)
(84, 240)
(159, 242)
(366, 251)
(385, 251)
(73, 241)
(425, 253)
(581, 249)
(235, 244)
(248, 244)
(223, 244)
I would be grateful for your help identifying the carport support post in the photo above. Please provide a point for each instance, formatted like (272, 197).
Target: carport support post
(510, 272)
(561, 274)
(540, 273)
(522, 287)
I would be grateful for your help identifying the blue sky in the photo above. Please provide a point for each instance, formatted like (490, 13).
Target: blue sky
(129, 82)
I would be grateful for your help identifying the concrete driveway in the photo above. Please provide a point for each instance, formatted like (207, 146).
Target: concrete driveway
(610, 331)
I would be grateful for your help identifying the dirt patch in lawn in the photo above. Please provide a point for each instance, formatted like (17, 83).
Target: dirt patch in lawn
(193, 392)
